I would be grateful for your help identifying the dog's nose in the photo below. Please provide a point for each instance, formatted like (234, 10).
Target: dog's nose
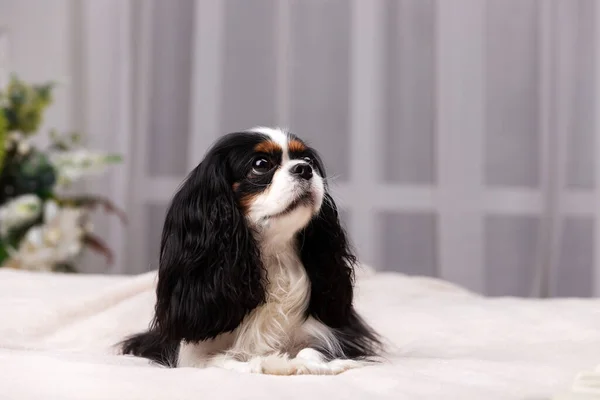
(303, 170)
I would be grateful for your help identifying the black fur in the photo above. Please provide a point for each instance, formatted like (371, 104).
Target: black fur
(152, 345)
(330, 263)
(210, 268)
(209, 275)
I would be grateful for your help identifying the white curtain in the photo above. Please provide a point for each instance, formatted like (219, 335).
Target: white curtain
(462, 133)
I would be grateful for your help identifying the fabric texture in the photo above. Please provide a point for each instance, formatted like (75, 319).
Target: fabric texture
(57, 334)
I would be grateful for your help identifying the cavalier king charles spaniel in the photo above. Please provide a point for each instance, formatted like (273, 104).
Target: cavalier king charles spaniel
(255, 271)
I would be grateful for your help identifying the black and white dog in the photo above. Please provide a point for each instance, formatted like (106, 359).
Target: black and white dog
(256, 273)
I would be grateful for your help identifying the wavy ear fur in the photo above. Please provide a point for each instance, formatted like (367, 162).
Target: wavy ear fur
(210, 267)
(330, 263)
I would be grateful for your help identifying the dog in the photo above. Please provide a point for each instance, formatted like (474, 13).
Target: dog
(256, 272)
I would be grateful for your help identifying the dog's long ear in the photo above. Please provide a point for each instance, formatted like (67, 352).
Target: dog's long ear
(329, 262)
(210, 269)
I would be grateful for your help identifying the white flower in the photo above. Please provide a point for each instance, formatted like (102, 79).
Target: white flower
(73, 165)
(15, 139)
(51, 210)
(18, 212)
(35, 236)
(23, 148)
(58, 240)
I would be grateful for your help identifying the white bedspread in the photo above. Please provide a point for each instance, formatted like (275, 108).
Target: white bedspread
(56, 333)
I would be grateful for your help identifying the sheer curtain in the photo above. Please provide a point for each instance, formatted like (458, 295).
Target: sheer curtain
(462, 134)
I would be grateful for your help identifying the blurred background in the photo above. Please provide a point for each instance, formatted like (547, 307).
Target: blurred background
(462, 134)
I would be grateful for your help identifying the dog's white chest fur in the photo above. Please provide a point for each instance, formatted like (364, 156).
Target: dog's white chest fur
(277, 326)
(273, 326)
(276, 330)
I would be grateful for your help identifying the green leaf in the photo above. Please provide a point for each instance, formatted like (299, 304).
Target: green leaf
(17, 234)
(31, 174)
(3, 253)
(26, 105)
(3, 134)
(113, 158)
(14, 237)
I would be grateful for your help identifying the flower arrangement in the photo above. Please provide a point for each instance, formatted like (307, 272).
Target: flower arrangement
(41, 227)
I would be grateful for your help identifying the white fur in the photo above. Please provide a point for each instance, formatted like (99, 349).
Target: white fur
(307, 362)
(277, 135)
(269, 328)
(278, 329)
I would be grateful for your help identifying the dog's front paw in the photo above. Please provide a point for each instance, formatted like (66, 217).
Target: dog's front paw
(307, 362)
(274, 365)
(310, 361)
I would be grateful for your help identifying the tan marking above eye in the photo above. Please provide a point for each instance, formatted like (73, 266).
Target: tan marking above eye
(296, 146)
(268, 147)
(235, 186)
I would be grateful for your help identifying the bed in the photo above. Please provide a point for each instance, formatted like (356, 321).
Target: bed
(57, 334)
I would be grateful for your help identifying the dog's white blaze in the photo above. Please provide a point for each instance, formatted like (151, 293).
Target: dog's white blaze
(277, 135)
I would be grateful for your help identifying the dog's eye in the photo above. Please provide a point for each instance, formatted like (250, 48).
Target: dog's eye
(261, 166)
(308, 160)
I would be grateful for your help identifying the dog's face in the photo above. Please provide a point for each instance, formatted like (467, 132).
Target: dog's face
(277, 181)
